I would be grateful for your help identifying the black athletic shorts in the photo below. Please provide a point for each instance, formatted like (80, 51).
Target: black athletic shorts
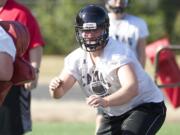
(17, 104)
(5, 128)
(145, 119)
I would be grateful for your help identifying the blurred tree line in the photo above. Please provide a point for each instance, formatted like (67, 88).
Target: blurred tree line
(56, 20)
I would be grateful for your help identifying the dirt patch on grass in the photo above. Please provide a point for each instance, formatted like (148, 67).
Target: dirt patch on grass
(76, 111)
(62, 111)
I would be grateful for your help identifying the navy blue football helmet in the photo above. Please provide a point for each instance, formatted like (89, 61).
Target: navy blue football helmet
(92, 17)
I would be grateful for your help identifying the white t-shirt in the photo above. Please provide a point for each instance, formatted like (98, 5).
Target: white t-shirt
(7, 44)
(102, 79)
(128, 30)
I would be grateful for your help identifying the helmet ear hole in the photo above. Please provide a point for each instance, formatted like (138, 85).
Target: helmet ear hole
(92, 17)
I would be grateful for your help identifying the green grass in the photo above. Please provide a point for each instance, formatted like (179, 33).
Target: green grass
(77, 128)
(62, 128)
(170, 129)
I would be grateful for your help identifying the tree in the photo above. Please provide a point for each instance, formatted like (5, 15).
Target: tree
(170, 9)
(56, 19)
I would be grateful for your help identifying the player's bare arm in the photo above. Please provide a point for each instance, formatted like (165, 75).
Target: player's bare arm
(141, 51)
(35, 60)
(128, 90)
(129, 87)
(61, 84)
(6, 66)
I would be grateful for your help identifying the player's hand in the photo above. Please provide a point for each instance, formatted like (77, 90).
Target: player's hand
(96, 101)
(33, 84)
(55, 83)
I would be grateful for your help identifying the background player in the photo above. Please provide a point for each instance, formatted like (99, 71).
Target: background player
(18, 100)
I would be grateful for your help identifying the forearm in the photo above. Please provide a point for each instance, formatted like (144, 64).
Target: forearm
(60, 85)
(142, 60)
(141, 51)
(122, 96)
(60, 89)
(6, 67)
(57, 93)
(35, 55)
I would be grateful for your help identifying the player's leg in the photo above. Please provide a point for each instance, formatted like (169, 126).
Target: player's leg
(18, 103)
(5, 123)
(146, 119)
(99, 118)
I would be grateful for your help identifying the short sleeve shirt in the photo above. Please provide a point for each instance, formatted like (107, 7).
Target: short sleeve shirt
(7, 44)
(17, 12)
(102, 79)
(129, 30)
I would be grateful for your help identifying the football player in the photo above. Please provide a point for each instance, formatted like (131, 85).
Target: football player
(112, 79)
(127, 28)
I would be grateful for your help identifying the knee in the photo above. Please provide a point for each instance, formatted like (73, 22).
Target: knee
(99, 119)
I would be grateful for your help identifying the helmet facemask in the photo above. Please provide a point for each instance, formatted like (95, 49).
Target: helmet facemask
(94, 43)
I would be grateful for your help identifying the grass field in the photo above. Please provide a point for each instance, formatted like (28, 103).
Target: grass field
(62, 128)
(69, 128)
